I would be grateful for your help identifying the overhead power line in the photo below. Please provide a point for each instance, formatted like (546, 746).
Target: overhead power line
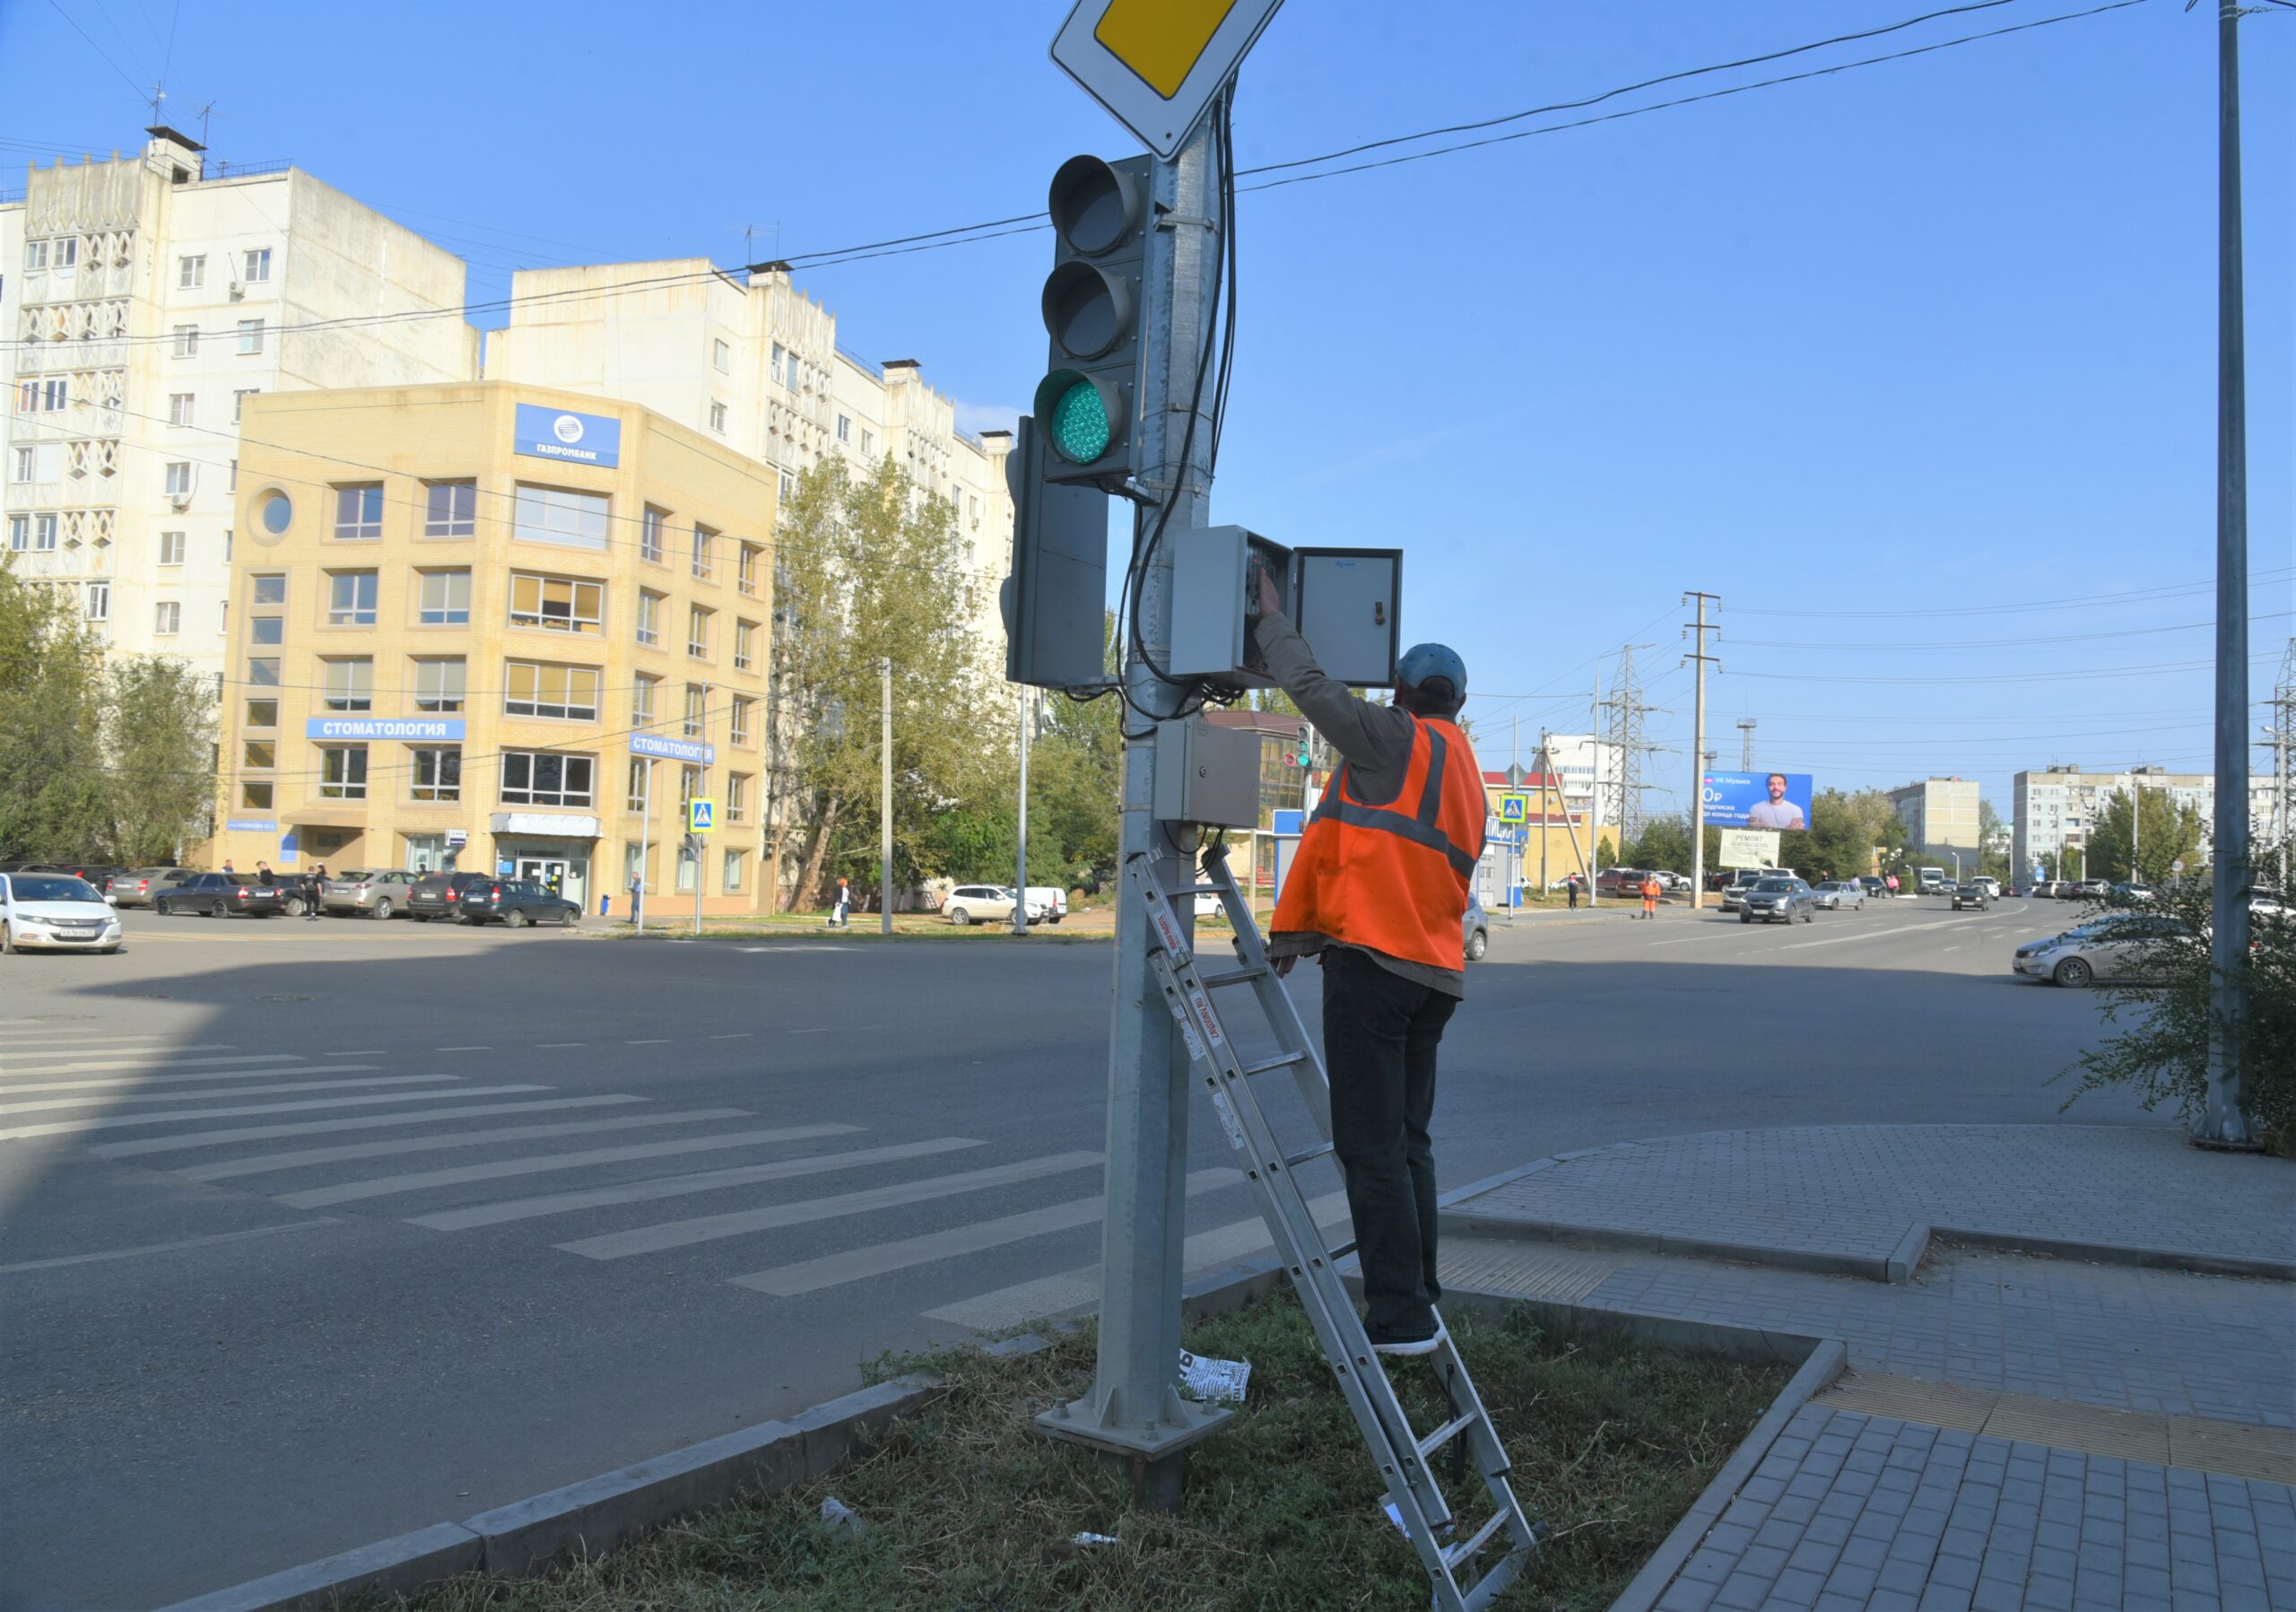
(1995, 643)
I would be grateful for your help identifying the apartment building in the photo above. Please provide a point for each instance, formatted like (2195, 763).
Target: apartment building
(503, 628)
(144, 301)
(1941, 817)
(2057, 807)
(1579, 761)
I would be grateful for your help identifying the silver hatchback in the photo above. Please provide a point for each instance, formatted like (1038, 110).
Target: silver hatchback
(1776, 901)
(370, 893)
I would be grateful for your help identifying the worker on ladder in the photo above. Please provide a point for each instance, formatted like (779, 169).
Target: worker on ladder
(1379, 891)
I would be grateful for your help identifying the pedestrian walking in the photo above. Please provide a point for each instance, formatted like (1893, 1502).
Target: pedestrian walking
(229, 871)
(1378, 891)
(263, 874)
(1571, 886)
(840, 911)
(314, 893)
(1651, 890)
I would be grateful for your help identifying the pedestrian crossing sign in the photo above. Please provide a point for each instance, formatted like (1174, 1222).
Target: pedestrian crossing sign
(701, 816)
(1514, 808)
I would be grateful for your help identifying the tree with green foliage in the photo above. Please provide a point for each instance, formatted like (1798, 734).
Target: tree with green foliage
(1664, 843)
(2165, 830)
(159, 739)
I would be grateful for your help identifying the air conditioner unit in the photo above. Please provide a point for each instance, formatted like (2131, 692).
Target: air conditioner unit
(238, 290)
(180, 501)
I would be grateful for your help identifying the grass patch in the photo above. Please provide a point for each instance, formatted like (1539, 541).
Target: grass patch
(970, 1507)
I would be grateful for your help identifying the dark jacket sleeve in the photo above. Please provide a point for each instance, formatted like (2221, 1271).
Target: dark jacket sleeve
(1375, 739)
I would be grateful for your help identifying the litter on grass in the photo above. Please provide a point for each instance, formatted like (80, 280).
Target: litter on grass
(1215, 1381)
(843, 1519)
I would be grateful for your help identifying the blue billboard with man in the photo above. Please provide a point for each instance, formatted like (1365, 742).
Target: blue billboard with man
(1775, 800)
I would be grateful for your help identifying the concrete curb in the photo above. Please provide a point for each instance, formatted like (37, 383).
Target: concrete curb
(2117, 1253)
(399, 1566)
(1827, 1361)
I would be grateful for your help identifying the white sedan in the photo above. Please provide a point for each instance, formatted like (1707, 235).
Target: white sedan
(1835, 895)
(979, 903)
(54, 912)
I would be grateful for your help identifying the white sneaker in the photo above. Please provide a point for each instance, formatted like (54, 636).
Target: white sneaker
(1416, 1346)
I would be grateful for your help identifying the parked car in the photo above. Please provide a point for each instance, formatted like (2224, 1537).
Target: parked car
(976, 903)
(2132, 893)
(1834, 894)
(1478, 928)
(136, 888)
(1046, 904)
(1734, 893)
(57, 912)
(1877, 888)
(2091, 890)
(1619, 881)
(440, 894)
(368, 892)
(213, 895)
(1992, 885)
(1932, 881)
(515, 903)
(2111, 947)
(1778, 901)
(1674, 883)
(1972, 894)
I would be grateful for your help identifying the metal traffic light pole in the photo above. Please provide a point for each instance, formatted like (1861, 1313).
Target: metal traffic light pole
(1134, 1411)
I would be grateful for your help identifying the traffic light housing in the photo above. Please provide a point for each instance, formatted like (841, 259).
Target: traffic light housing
(1086, 407)
(1303, 752)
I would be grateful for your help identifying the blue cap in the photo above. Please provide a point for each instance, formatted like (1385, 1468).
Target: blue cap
(1422, 663)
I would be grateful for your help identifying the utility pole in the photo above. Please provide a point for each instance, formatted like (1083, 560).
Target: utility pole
(1546, 766)
(1020, 907)
(1627, 712)
(1698, 756)
(885, 807)
(1133, 1411)
(1746, 744)
(645, 851)
(2225, 1123)
(1595, 792)
(2283, 749)
(700, 862)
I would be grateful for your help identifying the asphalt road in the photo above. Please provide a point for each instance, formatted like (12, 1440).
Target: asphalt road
(310, 1234)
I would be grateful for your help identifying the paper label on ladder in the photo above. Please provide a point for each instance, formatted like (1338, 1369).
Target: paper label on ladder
(1160, 913)
(1202, 1001)
(1187, 1031)
(1228, 1120)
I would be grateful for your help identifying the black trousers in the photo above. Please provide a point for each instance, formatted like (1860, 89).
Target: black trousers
(1380, 1033)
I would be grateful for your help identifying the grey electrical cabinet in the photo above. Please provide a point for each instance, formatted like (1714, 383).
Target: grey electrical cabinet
(1346, 603)
(1207, 774)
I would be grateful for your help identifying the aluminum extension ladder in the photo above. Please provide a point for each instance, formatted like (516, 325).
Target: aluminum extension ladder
(1401, 1453)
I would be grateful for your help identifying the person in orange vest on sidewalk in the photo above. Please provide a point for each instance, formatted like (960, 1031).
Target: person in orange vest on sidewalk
(1651, 890)
(1378, 892)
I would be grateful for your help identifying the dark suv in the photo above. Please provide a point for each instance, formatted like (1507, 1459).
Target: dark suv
(516, 902)
(440, 894)
(213, 895)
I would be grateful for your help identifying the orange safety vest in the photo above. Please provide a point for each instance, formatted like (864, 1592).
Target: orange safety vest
(1392, 875)
(1651, 890)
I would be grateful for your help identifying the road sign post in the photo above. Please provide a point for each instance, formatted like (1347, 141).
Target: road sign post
(700, 819)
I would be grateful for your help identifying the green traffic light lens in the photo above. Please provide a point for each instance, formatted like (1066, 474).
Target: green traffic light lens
(1080, 425)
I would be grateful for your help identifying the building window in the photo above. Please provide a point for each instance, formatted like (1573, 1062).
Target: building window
(563, 603)
(779, 353)
(437, 774)
(745, 638)
(704, 551)
(642, 702)
(687, 869)
(267, 632)
(445, 598)
(269, 589)
(255, 266)
(250, 336)
(349, 684)
(449, 509)
(342, 772)
(532, 689)
(43, 397)
(788, 486)
(845, 428)
(868, 440)
(21, 463)
(65, 252)
(697, 632)
(240, 400)
(688, 784)
(263, 671)
(697, 709)
(746, 569)
(171, 548)
(737, 796)
(741, 726)
(255, 798)
(44, 534)
(649, 618)
(351, 598)
(722, 356)
(439, 682)
(186, 341)
(178, 478)
(736, 864)
(191, 273)
(640, 775)
(179, 408)
(539, 778)
(98, 608)
(555, 515)
(262, 754)
(34, 255)
(20, 532)
(262, 713)
(717, 418)
(649, 534)
(358, 511)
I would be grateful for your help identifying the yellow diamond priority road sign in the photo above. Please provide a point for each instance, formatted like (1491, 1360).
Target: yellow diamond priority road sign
(1157, 65)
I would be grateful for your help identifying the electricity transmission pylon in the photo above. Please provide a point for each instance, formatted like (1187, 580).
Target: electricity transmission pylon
(1626, 712)
(1746, 744)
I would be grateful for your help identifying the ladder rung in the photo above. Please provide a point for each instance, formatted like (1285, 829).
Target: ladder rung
(1234, 976)
(1339, 1251)
(1283, 1061)
(1306, 1155)
(1447, 1431)
(1457, 1554)
(1201, 889)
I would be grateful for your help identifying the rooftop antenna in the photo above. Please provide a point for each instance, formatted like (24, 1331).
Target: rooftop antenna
(159, 96)
(204, 111)
(749, 240)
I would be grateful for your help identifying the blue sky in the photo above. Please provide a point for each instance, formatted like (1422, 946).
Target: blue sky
(1937, 335)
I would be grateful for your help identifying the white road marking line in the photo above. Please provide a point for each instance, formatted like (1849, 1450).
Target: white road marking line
(113, 1099)
(787, 1281)
(138, 1082)
(678, 1186)
(259, 1163)
(316, 1127)
(680, 1233)
(70, 1127)
(16, 1049)
(166, 1248)
(1209, 1250)
(91, 1065)
(361, 1052)
(657, 1041)
(557, 1046)
(1948, 923)
(462, 1049)
(385, 1186)
(738, 1035)
(816, 1030)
